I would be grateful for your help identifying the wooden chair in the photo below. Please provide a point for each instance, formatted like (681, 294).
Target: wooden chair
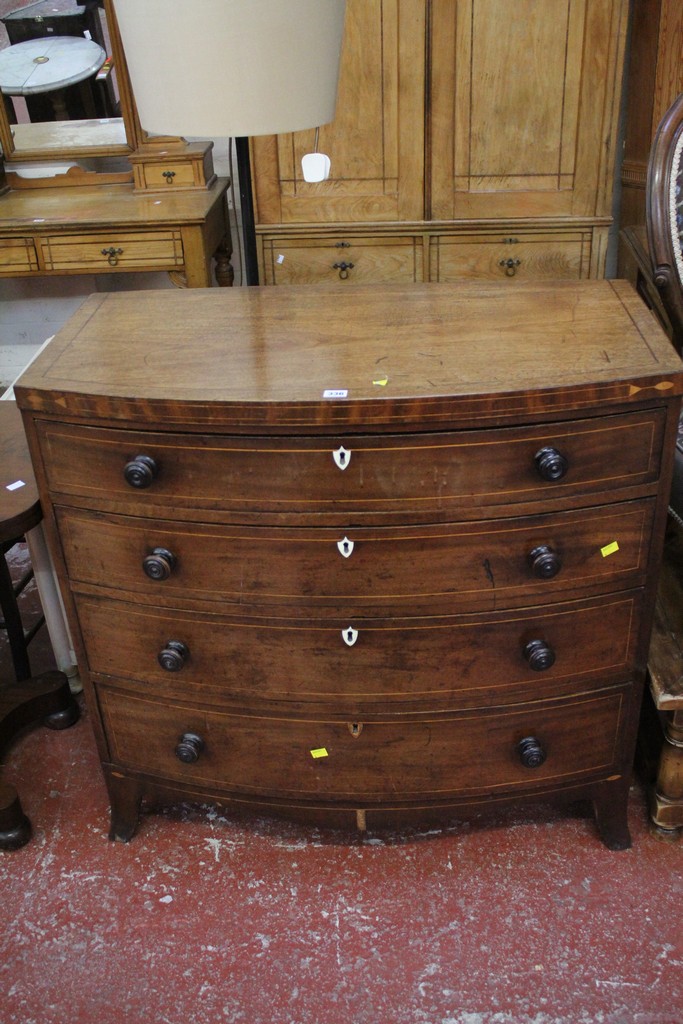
(665, 240)
(24, 700)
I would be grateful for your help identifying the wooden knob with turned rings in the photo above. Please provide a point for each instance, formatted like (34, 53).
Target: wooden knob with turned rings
(531, 752)
(189, 747)
(159, 564)
(141, 471)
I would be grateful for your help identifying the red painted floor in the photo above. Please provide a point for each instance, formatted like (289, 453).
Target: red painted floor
(205, 919)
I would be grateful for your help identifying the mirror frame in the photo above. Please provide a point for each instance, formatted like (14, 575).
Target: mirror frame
(135, 136)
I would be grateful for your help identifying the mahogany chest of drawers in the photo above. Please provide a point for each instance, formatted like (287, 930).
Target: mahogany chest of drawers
(361, 557)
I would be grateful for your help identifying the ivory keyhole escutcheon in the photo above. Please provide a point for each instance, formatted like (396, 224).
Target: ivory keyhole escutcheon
(342, 457)
(349, 635)
(345, 547)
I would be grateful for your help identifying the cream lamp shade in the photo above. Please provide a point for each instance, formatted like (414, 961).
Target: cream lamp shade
(232, 67)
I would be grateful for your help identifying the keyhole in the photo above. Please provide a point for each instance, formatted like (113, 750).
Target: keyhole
(349, 636)
(345, 547)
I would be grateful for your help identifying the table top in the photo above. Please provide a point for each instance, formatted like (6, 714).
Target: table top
(19, 504)
(388, 355)
(49, 63)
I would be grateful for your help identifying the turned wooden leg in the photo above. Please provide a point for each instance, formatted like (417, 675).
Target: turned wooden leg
(666, 801)
(15, 828)
(125, 796)
(225, 274)
(610, 806)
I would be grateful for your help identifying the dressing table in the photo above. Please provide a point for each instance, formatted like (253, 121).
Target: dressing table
(128, 202)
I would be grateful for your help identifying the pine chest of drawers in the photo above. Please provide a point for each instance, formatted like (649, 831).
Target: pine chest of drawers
(360, 557)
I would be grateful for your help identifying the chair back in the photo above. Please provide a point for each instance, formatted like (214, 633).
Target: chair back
(664, 216)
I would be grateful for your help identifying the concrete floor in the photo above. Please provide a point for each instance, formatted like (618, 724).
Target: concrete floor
(204, 918)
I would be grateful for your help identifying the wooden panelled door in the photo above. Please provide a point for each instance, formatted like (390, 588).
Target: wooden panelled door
(376, 142)
(519, 94)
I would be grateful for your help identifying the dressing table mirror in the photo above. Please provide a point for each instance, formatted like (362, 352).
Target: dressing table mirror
(111, 129)
(90, 194)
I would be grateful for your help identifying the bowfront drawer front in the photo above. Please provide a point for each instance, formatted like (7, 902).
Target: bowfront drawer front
(492, 657)
(161, 474)
(394, 761)
(337, 261)
(463, 566)
(18, 255)
(95, 251)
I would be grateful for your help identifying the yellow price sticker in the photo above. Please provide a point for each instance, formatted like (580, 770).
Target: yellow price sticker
(609, 549)
(319, 752)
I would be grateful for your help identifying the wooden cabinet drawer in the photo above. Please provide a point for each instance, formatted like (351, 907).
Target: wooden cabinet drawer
(464, 566)
(99, 251)
(521, 256)
(336, 261)
(17, 255)
(359, 661)
(394, 760)
(392, 476)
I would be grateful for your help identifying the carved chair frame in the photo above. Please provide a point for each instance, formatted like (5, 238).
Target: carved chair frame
(664, 217)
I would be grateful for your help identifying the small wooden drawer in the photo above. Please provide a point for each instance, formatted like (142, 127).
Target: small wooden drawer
(18, 255)
(392, 761)
(97, 251)
(361, 661)
(392, 476)
(462, 566)
(328, 260)
(161, 168)
(520, 256)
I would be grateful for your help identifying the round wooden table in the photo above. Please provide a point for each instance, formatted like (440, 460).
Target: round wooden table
(49, 65)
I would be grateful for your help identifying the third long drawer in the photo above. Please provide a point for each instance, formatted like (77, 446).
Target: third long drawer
(450, 661)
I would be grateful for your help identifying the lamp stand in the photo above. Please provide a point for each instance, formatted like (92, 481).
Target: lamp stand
(247, 206)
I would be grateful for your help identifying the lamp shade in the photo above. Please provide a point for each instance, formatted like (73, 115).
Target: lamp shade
(232, 67)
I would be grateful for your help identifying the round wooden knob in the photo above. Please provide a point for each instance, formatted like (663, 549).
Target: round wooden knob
(189, 747)
(544, 562)
(531, 753)
(173, 656)
(551, 464)
(539, 655)
(160, 564)
(141, 471)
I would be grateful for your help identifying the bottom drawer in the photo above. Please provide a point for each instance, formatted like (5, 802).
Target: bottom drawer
(326, 260)
(388, 761)
(528, 256)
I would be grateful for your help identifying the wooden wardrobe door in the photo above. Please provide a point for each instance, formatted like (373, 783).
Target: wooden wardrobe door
(522, 97)
(376, 142)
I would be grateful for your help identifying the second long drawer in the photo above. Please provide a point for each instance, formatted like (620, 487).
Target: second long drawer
(461, 566)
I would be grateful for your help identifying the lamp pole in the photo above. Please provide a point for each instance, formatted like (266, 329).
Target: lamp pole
(247, 206)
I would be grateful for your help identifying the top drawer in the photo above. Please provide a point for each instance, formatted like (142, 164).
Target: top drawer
(393, 476)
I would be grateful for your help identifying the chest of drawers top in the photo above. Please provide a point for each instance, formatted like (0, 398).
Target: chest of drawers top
(365, 359)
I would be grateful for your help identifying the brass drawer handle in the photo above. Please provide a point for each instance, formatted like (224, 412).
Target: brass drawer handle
(112, 255)
(510, 266)
(169, 175)
(343, 269)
